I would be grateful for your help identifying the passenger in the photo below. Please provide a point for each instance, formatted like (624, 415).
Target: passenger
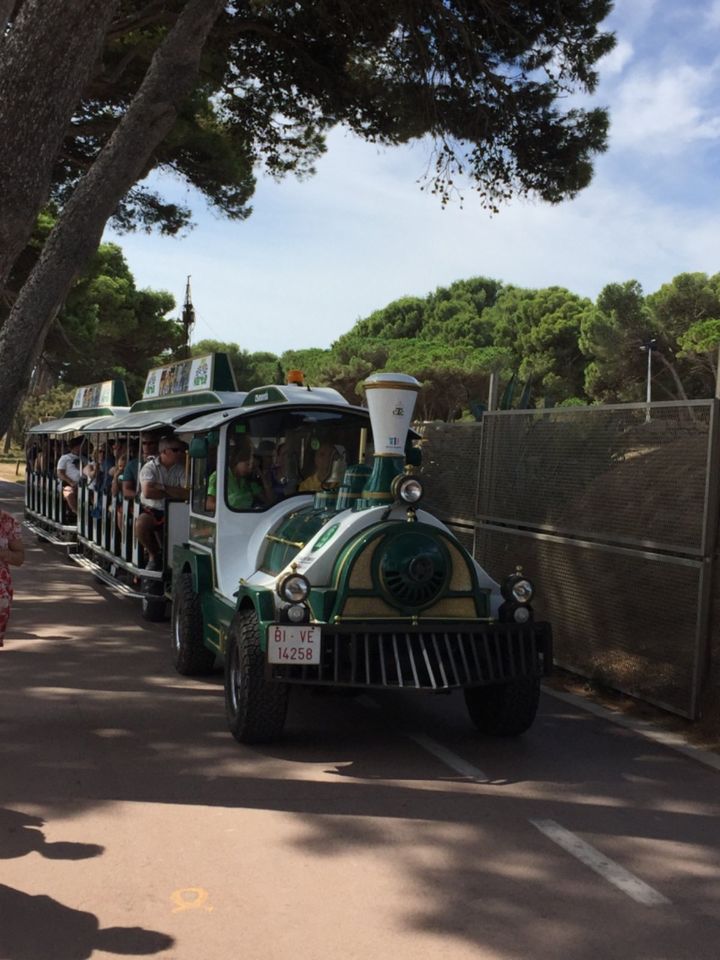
(11, 553)
(284, 472)
(115, 477)
(94, 470)
(69, 469)
(265, 467)
(162, 478)
(322, 477)
(245, 488)
(149, 446)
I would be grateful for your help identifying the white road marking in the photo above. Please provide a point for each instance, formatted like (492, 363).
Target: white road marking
(621, 878)
(449, 758)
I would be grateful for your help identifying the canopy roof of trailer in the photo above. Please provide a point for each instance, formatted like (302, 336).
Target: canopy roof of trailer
(159, 417)
(79, 421)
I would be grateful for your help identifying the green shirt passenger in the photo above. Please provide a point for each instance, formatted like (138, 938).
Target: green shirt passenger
(244, 490)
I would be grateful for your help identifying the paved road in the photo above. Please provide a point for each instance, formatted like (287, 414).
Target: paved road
(132, 824)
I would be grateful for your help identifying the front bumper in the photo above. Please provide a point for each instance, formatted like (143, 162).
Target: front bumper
(431, 656)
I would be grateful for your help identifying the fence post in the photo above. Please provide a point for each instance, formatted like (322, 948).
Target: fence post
(711, 517)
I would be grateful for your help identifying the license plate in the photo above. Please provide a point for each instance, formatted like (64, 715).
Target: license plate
(293, 644)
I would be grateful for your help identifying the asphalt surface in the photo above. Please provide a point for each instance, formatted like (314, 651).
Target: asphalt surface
(132, 824)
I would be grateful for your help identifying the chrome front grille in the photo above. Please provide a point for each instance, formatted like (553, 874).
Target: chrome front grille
(425, 659)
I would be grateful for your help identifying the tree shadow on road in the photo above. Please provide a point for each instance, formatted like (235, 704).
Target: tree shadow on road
(38, 927)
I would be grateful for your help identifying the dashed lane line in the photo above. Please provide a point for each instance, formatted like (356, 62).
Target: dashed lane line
(442, 753)
(618, 876)
(449, 758)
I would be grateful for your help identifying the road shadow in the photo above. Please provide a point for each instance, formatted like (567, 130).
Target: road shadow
(40, 928)
(20, 834)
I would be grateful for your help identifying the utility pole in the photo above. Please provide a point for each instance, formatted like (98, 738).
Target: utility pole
(188, 321)
(649, 346)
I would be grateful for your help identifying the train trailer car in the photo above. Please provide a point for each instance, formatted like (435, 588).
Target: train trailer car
(47, 512)
(106, 537)
(302, 564)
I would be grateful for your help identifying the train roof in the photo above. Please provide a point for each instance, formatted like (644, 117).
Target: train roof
(272, 397)
(78, 421)
(157, 417)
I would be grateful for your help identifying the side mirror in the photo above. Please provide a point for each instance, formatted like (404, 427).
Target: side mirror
(198, 448)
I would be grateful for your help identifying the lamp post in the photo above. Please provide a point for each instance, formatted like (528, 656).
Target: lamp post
(649, 346)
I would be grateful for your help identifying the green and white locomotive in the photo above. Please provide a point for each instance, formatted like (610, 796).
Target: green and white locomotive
(303, 556)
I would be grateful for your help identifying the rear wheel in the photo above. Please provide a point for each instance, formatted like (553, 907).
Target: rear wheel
(190, 655)
(504, 709)
(154, 609)
(255, 707)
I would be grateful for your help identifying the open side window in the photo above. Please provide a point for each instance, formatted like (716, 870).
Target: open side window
(203, 453)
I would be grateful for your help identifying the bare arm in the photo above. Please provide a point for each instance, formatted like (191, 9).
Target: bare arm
(14, 553)
(66, 479)
(157, 491)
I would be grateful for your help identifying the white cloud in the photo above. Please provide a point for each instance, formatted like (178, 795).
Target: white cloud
(664, 111)
(615, 62)
(317, 256)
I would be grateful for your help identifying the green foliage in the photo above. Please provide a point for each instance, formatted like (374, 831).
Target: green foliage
(37, 407)
(250, 369)
(539, 329)
(682, 312)
(700, 338)
(311, 362)
(108, 329)
(488, 83)
(612, 334)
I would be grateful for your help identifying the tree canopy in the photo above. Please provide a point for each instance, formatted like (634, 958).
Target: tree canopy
(210, 89)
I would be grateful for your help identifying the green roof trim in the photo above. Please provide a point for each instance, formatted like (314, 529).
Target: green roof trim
(264, 395)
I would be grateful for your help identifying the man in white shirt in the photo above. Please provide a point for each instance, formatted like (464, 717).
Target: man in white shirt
(161, 478)
(69, 469)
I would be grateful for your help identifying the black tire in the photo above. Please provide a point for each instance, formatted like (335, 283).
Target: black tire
(190, 655)
(154, 609)
(255, 707)
(504, 709)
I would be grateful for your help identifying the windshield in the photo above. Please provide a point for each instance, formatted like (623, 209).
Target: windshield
(281, 454)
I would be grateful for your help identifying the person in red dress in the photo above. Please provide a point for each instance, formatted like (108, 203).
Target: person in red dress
(12, 553)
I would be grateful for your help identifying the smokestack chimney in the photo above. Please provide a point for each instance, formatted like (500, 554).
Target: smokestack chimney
(391, 401)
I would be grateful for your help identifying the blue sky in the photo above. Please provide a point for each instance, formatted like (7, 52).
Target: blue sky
(316, 256)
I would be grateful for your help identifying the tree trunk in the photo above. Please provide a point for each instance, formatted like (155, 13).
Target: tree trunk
(681, 395)
(46, 60)
(76, 235)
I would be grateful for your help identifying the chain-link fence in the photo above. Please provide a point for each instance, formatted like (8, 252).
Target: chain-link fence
(613, 511)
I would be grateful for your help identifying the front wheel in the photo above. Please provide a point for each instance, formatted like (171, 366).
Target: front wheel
(189, 653)
(504, 709)
(255, 707)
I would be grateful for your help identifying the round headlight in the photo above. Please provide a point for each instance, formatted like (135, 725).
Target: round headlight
(522, 591)
(518, 588)
(408, 489)
(294, 588)
(521, 615)
(296, 613)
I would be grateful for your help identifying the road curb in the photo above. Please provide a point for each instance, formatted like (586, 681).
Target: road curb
(642, 727)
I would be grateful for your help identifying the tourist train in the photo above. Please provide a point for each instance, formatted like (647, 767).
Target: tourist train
(297, 551)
